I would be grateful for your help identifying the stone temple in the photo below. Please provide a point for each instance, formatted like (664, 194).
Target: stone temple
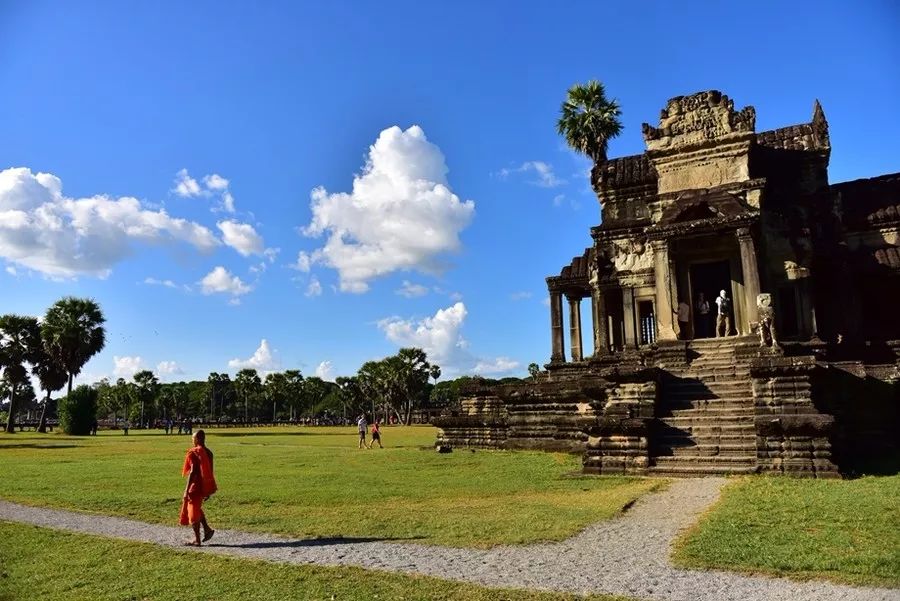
(800, 373)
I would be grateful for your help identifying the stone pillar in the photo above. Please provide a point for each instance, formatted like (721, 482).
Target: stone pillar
(664, 283)
(628, 319)
(751, 277)
(601, 333)
(558, 354)
(575, 327)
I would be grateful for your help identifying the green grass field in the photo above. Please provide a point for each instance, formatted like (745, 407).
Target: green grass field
(37, 563)
(848, 531)
(316, 482)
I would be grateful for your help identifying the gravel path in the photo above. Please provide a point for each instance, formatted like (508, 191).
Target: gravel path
(627, 555)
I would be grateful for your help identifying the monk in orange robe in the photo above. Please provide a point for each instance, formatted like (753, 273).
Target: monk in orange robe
(201, 483)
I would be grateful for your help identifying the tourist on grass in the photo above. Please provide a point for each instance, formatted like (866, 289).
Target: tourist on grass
(201, 483)
(376, 435)
(701, 320)
(125, 427)
(723, 315)
(361, 426)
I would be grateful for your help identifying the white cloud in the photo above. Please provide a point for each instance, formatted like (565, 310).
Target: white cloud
(400, 215)
(410, 290)
(544, 172)
(185, 185)
(500, 365)
(126, 367)
(262, 359)
(11, 270)
(214, 181)
(522, 295)
(220, 280)
(324, 371)
(44, 230)
(168, 368)
(155, 282)
(241, 237)
(558, 200)
(441, 338)
(303, 263)
(213, 185)
(545, 301)
(314, 288)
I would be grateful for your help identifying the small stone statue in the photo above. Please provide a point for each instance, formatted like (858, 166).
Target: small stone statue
(767, 335)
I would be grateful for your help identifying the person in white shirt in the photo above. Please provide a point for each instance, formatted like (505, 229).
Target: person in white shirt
(361, 427)
(723, 317)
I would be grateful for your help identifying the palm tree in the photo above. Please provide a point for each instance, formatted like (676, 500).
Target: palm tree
(147, 386)
(294, 387)
(20, 343)
(52, 377)
(588, 120)
(533, 370)
(247, 383)
(73, 333)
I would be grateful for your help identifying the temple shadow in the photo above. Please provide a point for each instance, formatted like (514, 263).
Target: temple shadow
(314, 542)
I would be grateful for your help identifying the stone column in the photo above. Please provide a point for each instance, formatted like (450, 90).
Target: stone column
(628, 313)
(601, 334)
(575, 327)
(558, 354)
(664, 283)
(751, 276)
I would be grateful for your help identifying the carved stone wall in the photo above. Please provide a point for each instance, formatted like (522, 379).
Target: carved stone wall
(792, 436)
(618, 441)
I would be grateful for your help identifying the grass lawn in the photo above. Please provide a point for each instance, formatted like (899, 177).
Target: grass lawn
(37, 563)
(848, 531)
(316, 482)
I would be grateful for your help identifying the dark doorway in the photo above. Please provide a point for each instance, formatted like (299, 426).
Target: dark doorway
(709, 279)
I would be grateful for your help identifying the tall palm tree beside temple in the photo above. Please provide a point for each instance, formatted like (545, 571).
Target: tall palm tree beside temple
(589, 120)
(73, 332)
(20, 343)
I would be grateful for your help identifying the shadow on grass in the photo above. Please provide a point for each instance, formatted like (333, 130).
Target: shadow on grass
(38, 445)
(314, 542)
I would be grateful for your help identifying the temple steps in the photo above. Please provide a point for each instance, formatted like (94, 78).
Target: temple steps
(705, 414)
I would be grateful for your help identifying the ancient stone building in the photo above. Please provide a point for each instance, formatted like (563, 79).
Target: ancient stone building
(804, 380)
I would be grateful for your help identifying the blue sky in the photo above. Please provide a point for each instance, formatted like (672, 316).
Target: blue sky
(281, 99)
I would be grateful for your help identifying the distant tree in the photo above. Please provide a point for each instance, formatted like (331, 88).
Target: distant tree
(533, 370)
(314, 390)
(73, 332)
(78, 411)
(147, 387)
(352, 397)
(275, 387)
(588, 120)
(412, 373)
(248, 386)
(20, 343)
(294, 392)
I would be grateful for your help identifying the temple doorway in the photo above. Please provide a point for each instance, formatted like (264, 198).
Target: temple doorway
(709, 278)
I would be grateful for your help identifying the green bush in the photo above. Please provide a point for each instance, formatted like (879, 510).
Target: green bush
(78, 411)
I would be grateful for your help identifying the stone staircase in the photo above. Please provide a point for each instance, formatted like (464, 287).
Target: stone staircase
(704, 421)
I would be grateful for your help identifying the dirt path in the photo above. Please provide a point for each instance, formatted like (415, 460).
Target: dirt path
(626, 555)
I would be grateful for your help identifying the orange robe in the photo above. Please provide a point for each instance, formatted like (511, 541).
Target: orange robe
(203, 484)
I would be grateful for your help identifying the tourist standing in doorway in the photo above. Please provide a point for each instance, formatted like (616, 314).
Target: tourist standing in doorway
(376, 435)
(361, 426)
(723, 316)
(684, 318)
(702, 317)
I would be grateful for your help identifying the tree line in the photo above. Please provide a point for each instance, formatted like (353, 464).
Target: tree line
(54, 348)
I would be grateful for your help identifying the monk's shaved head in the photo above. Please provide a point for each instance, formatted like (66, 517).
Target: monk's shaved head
(200, 437)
